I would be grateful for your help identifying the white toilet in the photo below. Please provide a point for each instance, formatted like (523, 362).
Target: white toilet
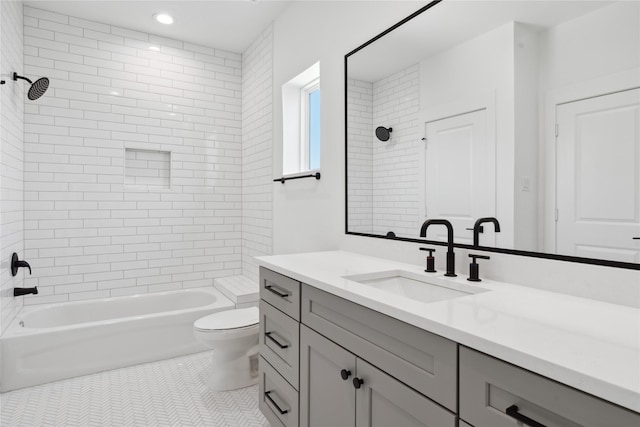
(233, 336)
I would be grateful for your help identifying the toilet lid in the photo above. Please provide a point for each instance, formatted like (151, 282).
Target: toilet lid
(229, 319)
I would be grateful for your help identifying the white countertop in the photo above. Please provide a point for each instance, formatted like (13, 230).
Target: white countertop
(589, 345)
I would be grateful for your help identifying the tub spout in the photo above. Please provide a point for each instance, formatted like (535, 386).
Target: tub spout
(24, 291)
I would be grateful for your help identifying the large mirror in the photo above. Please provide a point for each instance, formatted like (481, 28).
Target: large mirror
(526, 111)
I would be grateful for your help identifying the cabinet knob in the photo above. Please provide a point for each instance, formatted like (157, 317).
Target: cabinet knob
(357, 382)
(345, 374)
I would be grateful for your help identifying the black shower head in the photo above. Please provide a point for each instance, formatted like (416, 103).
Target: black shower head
(37, 89)
(383, 133)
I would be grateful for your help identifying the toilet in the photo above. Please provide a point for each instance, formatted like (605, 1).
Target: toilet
(233, 336)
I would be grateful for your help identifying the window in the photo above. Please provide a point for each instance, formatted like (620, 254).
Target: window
(301, 122)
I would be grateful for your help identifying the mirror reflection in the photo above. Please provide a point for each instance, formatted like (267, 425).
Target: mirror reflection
(527, 111)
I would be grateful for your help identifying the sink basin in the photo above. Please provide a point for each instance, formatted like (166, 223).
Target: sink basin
(415, 286)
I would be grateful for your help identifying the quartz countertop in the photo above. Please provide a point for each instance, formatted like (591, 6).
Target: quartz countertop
(590, 345)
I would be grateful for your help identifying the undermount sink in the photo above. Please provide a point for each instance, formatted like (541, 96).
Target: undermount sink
(415, 286)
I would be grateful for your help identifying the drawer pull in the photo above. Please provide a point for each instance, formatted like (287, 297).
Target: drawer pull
(357, 382)
(345, 374)
(276, 291)
(278, 343)
(512, 411)
(273, 402)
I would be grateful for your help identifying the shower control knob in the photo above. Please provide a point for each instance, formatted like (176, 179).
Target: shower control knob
(345, 374)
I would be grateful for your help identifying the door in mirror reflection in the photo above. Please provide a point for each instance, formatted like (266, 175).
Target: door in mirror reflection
(459, 175)
(598, 213)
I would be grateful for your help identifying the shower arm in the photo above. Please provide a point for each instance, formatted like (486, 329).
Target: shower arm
(16, 77)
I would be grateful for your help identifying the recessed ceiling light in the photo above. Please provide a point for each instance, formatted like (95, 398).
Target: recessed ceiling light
(154, 48)
(163, 18)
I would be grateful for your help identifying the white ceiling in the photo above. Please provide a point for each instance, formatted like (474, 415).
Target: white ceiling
(450, 23)
(224, 24)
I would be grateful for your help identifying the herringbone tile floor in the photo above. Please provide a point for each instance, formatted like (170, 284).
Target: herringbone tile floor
(165, 393)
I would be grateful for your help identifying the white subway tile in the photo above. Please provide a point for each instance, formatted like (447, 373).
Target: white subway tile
(130, 96)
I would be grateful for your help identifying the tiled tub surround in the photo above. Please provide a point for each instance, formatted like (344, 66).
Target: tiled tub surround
(590, 345)
(88, 234)
(257, 152)
(62, 340)
(11, 158)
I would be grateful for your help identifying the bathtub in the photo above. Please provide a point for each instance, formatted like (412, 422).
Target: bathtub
(56, 341)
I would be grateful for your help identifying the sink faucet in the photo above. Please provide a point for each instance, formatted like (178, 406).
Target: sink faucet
(477, 228)
(451, 257)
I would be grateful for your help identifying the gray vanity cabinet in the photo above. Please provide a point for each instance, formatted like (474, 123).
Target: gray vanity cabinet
(313, 345)
(329, 397)
(497, 394)
(326, 399)
(279, 348)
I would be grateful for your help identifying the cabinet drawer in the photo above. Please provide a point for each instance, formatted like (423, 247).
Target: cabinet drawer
(277, 400)
(422, 360)
(281, 292)
(489, 386)
(280, 342)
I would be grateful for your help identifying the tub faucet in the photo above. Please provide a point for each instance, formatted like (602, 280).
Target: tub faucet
(16, 263)
(17, 292)
(451, 257)
(477, 228)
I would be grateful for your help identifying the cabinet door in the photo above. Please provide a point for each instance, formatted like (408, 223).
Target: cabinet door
(325, 398)
(383, 401)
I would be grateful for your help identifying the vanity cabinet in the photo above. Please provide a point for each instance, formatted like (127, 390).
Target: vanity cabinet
(279, 348)
(338, 388)
(326, 361)
(498, 394)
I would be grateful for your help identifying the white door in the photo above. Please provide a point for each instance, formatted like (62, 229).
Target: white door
(459, 176)
(598, 177)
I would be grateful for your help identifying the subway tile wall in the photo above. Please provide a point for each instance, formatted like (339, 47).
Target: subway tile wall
(257, 141)
(11, 155)
(360, 134)
(396, 104)
(383, 176)
(87, 233)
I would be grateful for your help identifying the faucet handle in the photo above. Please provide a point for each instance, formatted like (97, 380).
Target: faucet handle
(431, 250)
(480, 229)
(474, 268)
(431, 261)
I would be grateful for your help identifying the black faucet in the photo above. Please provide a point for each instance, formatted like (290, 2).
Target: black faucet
(477, 228)
(16, 263)
(24, 291)
(451, 257)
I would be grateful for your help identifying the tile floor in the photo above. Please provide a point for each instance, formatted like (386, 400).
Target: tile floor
(164, 393)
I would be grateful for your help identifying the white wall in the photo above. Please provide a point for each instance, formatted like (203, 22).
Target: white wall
(11, 158)
(257, 141)
(564, 60)
(310, 214)
(87, 233)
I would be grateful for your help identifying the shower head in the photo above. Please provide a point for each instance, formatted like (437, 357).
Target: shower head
(37, 89)
(383, 133)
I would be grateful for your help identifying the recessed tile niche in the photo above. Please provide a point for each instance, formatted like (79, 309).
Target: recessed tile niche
(147, 168)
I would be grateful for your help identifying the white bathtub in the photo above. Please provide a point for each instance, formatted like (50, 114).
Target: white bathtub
(56, 341)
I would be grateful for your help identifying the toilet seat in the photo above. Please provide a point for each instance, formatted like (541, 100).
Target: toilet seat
(228, 319)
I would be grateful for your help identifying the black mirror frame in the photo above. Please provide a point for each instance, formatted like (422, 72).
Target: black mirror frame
(592, 261)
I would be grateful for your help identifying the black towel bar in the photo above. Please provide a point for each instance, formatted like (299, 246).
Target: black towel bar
(283, 179)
